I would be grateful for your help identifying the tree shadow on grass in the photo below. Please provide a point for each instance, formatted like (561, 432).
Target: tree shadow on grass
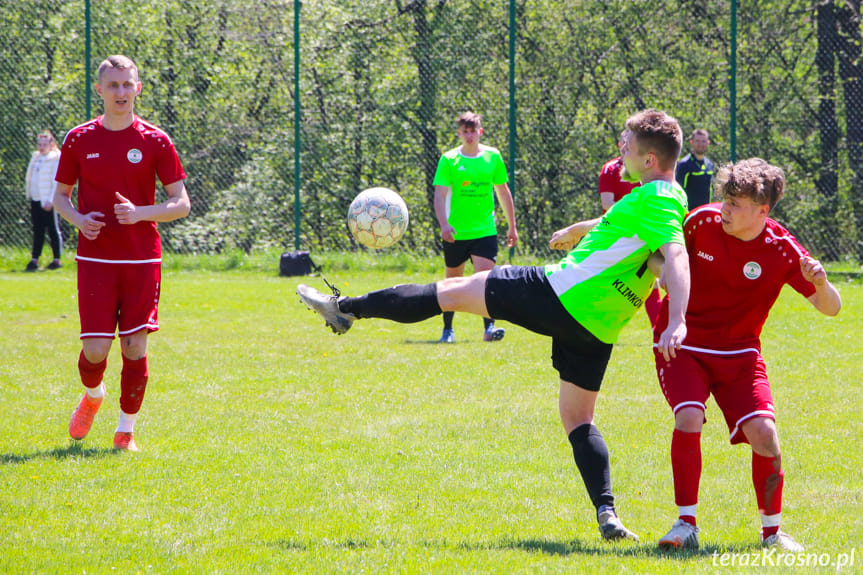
(73, 450)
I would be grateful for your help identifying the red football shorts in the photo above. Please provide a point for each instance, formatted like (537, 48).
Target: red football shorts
(118, 297)
(738, 383)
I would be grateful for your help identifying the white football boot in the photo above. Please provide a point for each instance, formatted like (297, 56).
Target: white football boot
(783, 541)
(612, 528)
(682, 536)
(327, 306)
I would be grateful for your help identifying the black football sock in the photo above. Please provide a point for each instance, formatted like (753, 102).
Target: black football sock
(591, 457)
(447, 319)
(487, 321)
(406, 303)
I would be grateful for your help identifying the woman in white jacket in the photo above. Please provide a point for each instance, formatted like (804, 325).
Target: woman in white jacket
(40, 191)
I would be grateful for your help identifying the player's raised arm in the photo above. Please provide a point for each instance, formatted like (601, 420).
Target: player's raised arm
(675, 279)
(826, 298)
(566, 238)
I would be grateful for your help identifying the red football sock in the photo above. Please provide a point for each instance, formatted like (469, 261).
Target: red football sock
(91, 373)
(652, 305)
(133, 384)
(768, 477)
(686, 467)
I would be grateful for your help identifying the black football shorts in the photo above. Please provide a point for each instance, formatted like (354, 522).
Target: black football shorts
(523, 296)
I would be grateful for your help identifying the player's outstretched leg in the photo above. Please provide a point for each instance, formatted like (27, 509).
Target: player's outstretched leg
(406, 303)
(327, 306)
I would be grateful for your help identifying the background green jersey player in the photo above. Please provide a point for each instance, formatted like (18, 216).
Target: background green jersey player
(582, 302)
(466, 181)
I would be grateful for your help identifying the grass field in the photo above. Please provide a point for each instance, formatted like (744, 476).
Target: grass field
(270, 445)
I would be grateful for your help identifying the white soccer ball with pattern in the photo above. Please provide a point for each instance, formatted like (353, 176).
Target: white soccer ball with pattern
(378, 218)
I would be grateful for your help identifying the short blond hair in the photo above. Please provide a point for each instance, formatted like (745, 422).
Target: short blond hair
(657, 132)
(117, 62)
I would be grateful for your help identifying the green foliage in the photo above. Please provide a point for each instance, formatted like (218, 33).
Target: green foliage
(270, 445)
(381, 81)
(252, 215)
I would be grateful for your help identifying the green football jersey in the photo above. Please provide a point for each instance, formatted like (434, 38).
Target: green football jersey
(471, 179)
(604, 279)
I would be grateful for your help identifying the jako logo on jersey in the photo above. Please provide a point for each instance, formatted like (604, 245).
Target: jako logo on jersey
(134, 155)
(708, 257)
(93, 156)
(752, 270)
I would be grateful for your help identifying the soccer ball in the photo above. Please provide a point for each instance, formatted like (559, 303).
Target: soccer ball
(378, 217)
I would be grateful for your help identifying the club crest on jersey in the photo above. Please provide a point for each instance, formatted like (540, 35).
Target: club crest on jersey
(752, 270)
(134, 155)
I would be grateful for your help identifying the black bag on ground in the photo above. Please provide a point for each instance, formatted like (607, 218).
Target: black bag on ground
(296, 264)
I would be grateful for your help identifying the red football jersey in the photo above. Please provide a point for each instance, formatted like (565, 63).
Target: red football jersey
(128, 161)
(734, 283)
(609, 179)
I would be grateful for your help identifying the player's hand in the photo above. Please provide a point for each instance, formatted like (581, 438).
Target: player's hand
(47, 206)
(125, 210)
(91, 226)
(511, 238)
(562, 239)
(813, 271)
(447, 233)
(671, 339)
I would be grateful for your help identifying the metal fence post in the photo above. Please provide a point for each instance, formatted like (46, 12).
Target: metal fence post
(732, 83)
(88, 96)
(512, 109)
(297, 207)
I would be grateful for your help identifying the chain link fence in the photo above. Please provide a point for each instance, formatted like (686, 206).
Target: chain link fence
(382, 81)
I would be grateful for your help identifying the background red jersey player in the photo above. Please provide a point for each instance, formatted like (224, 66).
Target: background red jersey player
(739, 259)
(115, 160)
(611, 186)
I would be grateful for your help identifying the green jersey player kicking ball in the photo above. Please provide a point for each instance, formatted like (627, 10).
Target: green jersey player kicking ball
(582, 302)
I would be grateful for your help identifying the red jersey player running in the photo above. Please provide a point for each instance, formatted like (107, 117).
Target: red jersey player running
(115, 160)
(740, 259)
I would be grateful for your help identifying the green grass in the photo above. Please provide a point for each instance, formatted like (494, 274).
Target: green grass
(270, 445)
